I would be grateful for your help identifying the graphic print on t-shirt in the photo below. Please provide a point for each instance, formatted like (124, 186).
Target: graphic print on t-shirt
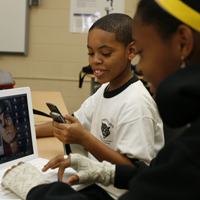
(106, 131)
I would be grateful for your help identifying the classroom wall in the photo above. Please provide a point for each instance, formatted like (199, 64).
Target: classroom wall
(55, 56)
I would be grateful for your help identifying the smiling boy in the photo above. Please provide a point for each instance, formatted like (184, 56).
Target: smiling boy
(120, 122)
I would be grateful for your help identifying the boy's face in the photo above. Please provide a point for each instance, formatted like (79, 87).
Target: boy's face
(109, 59)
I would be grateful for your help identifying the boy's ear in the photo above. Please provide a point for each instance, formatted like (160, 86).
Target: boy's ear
(131, 50)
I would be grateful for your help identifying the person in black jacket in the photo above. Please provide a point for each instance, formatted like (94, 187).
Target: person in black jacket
(167, 38)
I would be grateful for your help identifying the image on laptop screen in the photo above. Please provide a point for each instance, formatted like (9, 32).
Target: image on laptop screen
(15, 132)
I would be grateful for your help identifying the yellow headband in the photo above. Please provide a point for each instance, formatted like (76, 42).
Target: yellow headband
(182, 12)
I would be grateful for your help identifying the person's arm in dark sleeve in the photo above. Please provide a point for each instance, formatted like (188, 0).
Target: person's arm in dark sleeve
(173, 174)
(124, 173)
(54, 191)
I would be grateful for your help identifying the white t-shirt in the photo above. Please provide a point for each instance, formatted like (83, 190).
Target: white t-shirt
(126, 120)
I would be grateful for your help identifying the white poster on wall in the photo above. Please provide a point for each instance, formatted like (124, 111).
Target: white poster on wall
(83, 13)
(14, 19)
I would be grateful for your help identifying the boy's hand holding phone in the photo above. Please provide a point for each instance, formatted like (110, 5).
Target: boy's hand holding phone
(70, 133)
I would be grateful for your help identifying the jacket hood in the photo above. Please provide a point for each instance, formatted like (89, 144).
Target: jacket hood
(178, 97)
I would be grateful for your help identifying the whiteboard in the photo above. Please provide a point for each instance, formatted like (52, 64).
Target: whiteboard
(14, 18)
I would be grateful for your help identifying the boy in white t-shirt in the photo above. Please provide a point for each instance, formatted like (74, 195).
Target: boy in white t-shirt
(120, 122)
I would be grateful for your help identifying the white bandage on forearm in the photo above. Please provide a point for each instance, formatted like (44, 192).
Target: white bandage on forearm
(23, 178)
(92, 171)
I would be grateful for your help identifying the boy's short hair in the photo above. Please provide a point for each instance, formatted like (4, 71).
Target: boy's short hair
(117, 23)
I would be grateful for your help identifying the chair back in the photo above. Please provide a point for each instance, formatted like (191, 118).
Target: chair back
(6, 80)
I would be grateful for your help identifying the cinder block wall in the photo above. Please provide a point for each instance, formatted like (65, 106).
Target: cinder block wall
(55, 56)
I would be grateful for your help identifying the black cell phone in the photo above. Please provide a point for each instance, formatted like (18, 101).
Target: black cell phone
(55, 113)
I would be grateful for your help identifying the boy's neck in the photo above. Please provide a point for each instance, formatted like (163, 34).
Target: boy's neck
(125, 77)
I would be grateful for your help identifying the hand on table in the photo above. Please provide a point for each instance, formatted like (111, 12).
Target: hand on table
(88, 171)
(9, 171)
(22, 178)
(61, 162)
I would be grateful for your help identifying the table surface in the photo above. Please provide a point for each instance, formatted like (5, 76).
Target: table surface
(48, 147)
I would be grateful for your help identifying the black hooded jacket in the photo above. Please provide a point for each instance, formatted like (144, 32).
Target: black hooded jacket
(175, 172)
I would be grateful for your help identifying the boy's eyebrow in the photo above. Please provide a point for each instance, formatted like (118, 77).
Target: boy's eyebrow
(104, 46)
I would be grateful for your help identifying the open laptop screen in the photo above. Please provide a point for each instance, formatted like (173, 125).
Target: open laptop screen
(15, 131)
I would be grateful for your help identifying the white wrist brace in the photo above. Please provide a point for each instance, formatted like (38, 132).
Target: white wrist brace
(23, 178)
(92, 171)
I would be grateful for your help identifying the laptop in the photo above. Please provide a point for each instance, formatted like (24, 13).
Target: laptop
(18, 138)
